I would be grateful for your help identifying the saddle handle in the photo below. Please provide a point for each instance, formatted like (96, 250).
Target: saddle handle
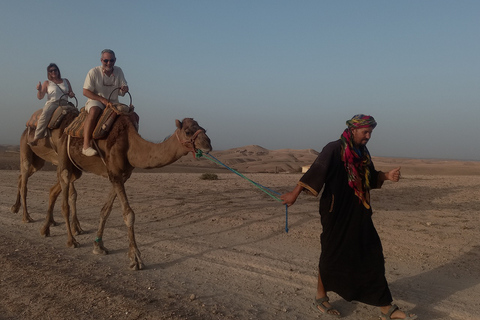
(66, 94)
(119, 89)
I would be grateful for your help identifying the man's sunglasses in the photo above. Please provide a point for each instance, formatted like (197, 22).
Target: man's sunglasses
(106, 60)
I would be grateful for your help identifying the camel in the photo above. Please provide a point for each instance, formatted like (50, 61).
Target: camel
(33, 159)
(122, 151)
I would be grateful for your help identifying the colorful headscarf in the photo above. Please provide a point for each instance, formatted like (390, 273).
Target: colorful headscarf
(357, 161)
(361, 121)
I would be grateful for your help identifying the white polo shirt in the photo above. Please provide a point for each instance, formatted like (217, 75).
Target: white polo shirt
(103, 85)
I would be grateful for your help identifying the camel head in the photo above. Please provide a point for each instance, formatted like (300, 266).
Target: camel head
(192, 136)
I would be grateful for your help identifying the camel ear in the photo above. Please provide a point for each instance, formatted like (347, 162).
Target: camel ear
(178, 124)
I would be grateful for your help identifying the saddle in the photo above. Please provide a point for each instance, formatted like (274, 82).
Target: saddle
(105, 121)
(57, 117)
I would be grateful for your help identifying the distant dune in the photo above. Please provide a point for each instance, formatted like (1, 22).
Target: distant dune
(256, 159)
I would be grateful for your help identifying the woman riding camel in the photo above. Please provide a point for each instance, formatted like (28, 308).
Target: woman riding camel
(55, 87)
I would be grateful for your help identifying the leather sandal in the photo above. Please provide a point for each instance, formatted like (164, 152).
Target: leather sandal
(393, 308)
(320, 307)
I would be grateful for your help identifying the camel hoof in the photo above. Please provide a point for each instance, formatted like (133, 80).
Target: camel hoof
(73, 244)
(45, 232)
(77, 230)
(136, 266)
(136, 262)
(27, 219)
(14, 209)
(99, 249)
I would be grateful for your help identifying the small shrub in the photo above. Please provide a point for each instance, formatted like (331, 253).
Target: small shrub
(209, 176)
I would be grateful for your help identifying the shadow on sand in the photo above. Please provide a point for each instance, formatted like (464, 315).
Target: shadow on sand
(433, 287)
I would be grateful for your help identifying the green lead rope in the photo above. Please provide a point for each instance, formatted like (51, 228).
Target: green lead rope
(268, 191)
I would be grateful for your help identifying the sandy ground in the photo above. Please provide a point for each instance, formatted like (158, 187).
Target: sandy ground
(217, 249)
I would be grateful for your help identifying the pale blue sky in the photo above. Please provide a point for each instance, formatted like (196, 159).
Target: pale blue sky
(279, 74)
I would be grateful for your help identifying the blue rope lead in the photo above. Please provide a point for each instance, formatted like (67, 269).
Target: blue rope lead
(268, 191)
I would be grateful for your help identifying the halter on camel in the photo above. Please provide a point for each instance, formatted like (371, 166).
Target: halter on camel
(190, 141)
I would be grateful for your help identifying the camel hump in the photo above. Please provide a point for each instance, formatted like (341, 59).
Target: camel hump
(57, 116)
(32, 122)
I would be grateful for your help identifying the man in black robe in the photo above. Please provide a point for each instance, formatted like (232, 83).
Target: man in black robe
(351, 261)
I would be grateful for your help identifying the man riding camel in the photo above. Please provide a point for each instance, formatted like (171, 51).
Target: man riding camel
(100, 84)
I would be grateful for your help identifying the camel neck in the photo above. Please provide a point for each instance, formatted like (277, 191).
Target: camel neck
(144, 154)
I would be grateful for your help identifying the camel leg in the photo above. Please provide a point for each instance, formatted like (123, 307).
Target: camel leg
(52, 198)
(136, 262)
(23, 189)
(16, 207)
(29, 164)
(23, 195)
(65, 176)
(98, 247)
(72, 200)
(53, 195)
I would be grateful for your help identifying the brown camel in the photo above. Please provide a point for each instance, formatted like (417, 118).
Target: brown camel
(32, 159)
(122, 151)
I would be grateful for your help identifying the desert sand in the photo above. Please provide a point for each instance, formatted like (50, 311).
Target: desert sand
(217, 249)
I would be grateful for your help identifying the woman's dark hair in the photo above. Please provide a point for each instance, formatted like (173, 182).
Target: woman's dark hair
(53, 65)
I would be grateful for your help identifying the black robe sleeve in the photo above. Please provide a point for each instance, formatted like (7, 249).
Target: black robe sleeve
(314, 179)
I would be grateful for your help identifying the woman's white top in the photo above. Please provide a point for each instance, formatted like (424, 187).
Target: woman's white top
(55, 91)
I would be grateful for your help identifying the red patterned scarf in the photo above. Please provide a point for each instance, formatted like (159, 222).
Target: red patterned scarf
(357, 161)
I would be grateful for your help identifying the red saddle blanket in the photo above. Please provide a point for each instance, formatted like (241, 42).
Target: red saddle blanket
(56, 118)
(105, 122)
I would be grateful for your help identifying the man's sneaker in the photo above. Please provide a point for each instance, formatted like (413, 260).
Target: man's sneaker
(89, 152)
